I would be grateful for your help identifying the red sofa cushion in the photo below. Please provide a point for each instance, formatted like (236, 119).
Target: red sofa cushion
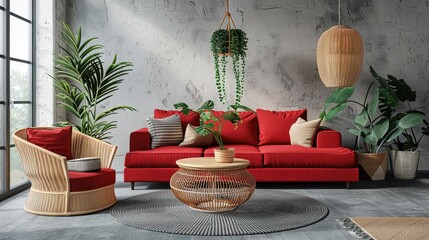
(246, 132)
(299, 156)
(274, 126)
(192, 118)
(162, 157)
(84, 181)
(56, 140)
(328, 139)
(248, 152)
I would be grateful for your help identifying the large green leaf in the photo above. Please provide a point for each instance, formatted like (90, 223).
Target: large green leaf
(340, 95)
(387, 96)
(362, 128)
(362, 117)
(411, 120)
(381, 128)
(402, 90)
(394, 133)
(207, 116)
(208, 105)
(373, 104)
(388, 101)
(203, 130)
(183, 107)
(371, 139)
(233, 117)
(425, 129)
(335, 110)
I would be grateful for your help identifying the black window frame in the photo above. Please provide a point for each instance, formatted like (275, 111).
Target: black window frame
(6, 190)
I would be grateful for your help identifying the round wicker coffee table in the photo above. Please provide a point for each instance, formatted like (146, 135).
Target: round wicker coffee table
(209, 186)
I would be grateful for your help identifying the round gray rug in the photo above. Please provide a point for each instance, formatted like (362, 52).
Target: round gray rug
(265, 212)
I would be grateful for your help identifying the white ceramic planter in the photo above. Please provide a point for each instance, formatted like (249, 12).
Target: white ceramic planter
(405, 163)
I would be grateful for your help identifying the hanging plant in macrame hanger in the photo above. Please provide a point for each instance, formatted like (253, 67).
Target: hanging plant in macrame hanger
(229, 43)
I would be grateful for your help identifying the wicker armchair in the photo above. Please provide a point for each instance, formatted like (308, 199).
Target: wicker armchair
(50, 192)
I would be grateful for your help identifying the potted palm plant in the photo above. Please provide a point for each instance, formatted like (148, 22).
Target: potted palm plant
(84, 84)
(376, 123)
(211, 124)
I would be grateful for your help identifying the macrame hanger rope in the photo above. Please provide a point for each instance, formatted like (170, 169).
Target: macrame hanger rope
(339, 12)
(227, 16)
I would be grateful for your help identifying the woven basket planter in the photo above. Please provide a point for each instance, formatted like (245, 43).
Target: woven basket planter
(224, 156)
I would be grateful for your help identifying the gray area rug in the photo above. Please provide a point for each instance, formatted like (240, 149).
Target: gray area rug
(265, 212)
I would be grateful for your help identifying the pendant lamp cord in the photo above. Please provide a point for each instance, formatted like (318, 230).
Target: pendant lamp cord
(339, 12)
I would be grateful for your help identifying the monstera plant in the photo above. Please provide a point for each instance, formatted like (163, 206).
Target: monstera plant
(85, 83)
(212, 124)
(378, 122)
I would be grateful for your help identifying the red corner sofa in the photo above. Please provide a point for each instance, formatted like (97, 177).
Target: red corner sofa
(262, 138)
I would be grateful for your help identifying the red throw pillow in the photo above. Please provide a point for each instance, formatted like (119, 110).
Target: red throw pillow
(246, 132)
(192, 118)
(274, 126)
(56, 140)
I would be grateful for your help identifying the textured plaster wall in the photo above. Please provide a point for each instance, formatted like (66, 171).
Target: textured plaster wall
(49, 15)
(169, 43)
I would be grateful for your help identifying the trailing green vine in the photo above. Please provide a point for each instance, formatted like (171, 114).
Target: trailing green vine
(238, 48)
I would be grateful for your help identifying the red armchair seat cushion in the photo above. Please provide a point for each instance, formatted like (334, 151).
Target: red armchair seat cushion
(192, 118)
(162, 157)
(246, 132)
(300, 157)
(274, 126)
(248, 152)
(84, 181)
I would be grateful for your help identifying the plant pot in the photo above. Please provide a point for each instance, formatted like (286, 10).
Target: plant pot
(224, 156)
(372, 166)
(405, 163)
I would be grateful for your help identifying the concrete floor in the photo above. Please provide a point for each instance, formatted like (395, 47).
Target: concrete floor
(391, 197)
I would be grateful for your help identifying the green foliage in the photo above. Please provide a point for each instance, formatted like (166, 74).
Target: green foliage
(84, 84)
(211, 124)
(340, 97)
(238, 47)
(376, 130)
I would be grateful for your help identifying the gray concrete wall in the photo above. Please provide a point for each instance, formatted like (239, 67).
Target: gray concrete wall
(169, 43)
(49, 15)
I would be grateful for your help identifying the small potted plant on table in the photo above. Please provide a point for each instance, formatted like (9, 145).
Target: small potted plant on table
(212, 124)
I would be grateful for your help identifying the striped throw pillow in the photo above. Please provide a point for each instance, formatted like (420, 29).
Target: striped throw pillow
(165, 131)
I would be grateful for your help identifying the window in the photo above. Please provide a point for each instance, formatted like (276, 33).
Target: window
(17, 93)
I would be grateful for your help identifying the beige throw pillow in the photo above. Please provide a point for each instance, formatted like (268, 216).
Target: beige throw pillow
(193, 139)
(302, 132)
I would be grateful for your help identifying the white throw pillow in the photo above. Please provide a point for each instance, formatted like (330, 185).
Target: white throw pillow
(302, 132)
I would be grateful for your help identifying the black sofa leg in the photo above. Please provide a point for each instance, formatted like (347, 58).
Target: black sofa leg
(347, 185)
(132, 185)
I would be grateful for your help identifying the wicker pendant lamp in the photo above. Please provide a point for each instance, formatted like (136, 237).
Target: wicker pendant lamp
(339, 55)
